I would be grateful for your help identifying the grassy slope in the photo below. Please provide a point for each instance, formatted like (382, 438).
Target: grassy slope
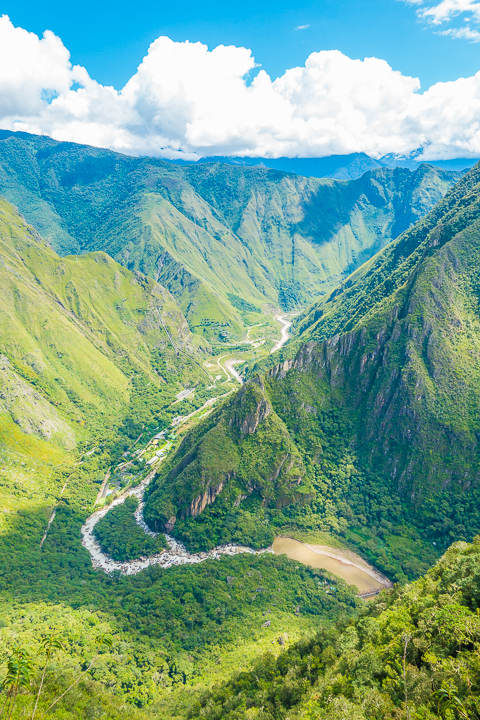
(208, 231)
(75, 330)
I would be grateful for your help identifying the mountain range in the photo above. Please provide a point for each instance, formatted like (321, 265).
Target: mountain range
(223, 239)
(125, 283)
(340, 167)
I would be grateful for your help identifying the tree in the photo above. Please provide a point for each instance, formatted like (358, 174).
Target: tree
(19, 674)
(102, 640)
(406, 639)
(447, 697)
(48, 645)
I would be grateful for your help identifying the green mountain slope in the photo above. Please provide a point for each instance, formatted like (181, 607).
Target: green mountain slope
(413, 653)
(81, 337)
(243, 452)
(216, 236)
(385, 412)
(86, 360)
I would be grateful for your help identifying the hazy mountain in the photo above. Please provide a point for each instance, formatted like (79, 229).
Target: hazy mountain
(340, 167)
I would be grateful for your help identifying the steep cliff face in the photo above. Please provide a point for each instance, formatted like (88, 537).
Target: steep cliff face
(243, 449)
(407, 374)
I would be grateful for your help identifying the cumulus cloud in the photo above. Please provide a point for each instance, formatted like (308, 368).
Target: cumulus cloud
(185, 99)
(31, 69)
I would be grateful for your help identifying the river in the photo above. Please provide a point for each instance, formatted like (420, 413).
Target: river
(353, 570)
(284, 334)
(366, 579)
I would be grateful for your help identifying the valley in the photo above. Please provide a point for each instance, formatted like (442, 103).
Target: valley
(349, 567)
(239, 423)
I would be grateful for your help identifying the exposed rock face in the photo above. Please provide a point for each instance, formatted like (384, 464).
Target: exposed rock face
(207, 498)
(408, 376)
(170, 524)
(250, 408)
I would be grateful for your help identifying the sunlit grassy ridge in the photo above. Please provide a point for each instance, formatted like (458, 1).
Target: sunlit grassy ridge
(76, 332)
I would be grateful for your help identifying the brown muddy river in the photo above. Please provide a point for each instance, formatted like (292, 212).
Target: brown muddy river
(349, 572)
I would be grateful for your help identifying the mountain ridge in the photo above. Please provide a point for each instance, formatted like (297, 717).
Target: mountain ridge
(391, 390)
(269, 238)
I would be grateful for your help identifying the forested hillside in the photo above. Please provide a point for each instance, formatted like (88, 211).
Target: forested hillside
(383, 413)
(86, 366)
(223, 239)
(413, 653)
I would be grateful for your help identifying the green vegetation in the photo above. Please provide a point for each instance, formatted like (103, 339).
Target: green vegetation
(121, 538)
(86, 344)
(413, 653)
(241, 304)
(381, 419)
(222, 239)
(241, 451)
(364, 435)
(168, 627)
(222, 523)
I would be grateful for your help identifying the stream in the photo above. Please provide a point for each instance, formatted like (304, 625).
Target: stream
(284, 334)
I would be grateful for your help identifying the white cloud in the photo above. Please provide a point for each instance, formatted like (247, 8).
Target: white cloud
(30, 68)
(463, 33)
(467, 11)
(302, 27)
(185, 98)
(448, 9)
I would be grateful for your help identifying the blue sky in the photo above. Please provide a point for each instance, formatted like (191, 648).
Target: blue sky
(111, 38)
(257, 78)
